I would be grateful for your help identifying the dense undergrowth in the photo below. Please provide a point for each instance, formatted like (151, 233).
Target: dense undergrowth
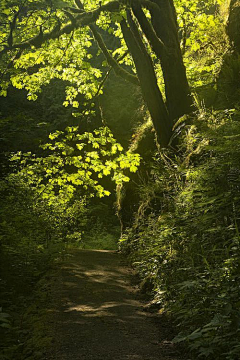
(185, 241)
(33, 238)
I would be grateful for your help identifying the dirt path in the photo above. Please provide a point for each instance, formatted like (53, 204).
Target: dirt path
(100, 317)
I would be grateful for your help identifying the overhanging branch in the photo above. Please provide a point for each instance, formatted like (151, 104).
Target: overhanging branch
(83, 19)
(111, 61)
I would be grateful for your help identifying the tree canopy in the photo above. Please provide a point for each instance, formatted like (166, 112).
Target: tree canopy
(46, 40)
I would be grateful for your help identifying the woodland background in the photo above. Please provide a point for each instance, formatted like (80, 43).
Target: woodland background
(91, 159)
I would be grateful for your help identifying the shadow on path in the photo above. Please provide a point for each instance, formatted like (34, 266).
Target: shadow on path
(100, 317)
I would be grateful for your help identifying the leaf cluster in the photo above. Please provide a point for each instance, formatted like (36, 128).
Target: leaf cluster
(74, 160)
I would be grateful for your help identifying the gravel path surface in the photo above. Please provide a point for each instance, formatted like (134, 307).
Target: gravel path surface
(100, 315)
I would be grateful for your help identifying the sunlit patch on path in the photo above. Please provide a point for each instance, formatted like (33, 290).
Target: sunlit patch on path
(100, 317)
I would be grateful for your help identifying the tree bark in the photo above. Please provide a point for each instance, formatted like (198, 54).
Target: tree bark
(164, 23)
(148, 82)
(233, 26)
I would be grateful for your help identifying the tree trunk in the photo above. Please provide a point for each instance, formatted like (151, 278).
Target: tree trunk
(233, 26)
(148, 82)
(178, 96)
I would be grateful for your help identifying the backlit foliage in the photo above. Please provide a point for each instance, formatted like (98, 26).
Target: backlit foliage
(75, 160)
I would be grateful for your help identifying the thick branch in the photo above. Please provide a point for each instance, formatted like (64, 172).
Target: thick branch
(136, 34)
(156, 43)
(80, 20)
(12, 28)
(111, 61)
(146, 3)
